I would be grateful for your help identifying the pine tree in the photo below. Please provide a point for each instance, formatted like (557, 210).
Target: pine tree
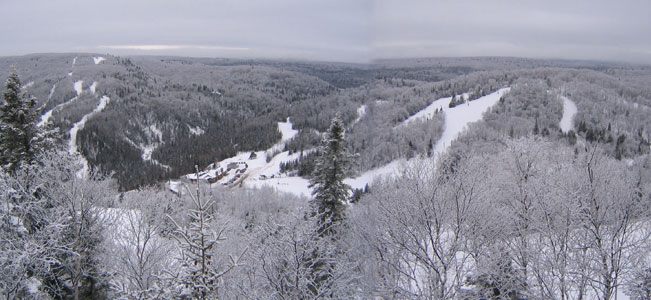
(20, 139)
(197, 241)
(330, 192)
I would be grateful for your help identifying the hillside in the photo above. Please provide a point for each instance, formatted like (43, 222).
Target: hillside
(168, 114)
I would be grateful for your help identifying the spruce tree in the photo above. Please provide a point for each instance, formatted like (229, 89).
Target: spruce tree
(330, 192)
(20, 138)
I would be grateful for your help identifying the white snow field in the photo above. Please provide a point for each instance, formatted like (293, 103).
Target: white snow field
(569, 110)
(430, 110)
(93, 87)
(98, 60)
(78, 86)
(27, 85)
(74, 61)
(72, 144)
(361, 111)
(196, 130)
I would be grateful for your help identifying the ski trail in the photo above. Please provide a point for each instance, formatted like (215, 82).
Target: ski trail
(569, 111)
(49, 96)
(78, 86)
(47, 115)
(72, 144)
(361, 112)
(456, 122)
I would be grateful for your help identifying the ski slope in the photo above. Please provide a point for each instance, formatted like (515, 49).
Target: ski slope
(429, 111)
(72, 144)
(456, 121)
(78, 86)
(569, 111)
(361, 112)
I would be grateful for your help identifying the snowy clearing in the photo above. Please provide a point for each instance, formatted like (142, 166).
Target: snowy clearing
(72, 144)
(196, 130)
(93, 87)
(74, 61)
(78, 86)
(251, 169)
(457, 118)
(569, 111)
(27, 85)
(430, 110)
(361, 111)
(98, 60)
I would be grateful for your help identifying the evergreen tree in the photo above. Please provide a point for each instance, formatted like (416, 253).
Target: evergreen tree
(198, 276)
(20, 139)
(330, 192)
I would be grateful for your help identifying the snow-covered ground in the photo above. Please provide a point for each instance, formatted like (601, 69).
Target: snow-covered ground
(456, 121)
(569, 110)
(261, 173)
(430, 110)
(79, 87)
(148, 149)
(49, 96)
(251, 169)
(98, 60)
(47, 115)
(458, 118)
(27, 85)
(74, 61)
(93, 87)
(196, 130)
(72, 144)
(361, 112)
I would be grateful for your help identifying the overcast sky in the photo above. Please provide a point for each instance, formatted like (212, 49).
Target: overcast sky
(332, 30)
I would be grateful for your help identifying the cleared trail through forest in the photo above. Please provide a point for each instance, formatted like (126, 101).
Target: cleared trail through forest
(72, 144)
(569, 111)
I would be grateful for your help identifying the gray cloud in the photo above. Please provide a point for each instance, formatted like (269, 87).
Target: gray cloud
(341, 30)
(579, 29)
